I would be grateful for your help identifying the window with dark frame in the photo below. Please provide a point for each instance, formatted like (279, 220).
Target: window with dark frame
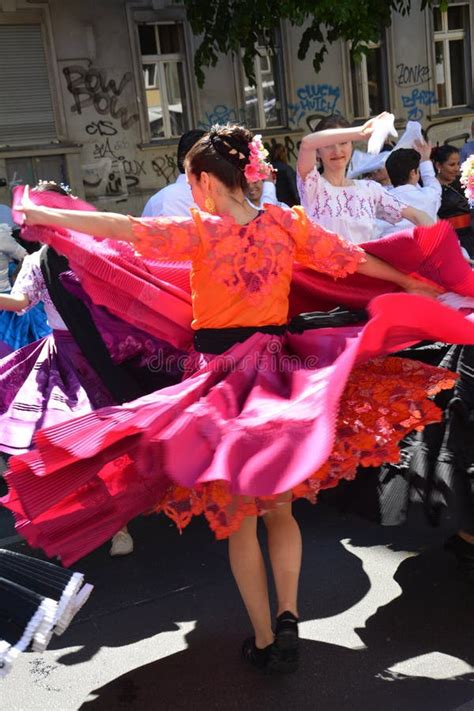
(452, 55)
(164, 72)
(264, 103)
(369, 81)
(27, 170)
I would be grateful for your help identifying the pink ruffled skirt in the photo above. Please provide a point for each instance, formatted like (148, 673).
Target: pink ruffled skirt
(275, 414)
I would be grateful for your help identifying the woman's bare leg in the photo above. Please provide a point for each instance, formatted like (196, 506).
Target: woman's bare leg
(284, 546)
(248, 568)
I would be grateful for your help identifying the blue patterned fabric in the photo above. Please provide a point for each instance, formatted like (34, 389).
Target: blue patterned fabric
(17, 331)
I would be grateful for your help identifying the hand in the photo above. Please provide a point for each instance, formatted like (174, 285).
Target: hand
(368, 128)
(413, 285)
(423, 148)
(27, 207)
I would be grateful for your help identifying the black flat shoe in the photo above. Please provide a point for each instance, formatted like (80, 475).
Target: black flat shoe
(254, 656)
(461, 548)
(284, 652)
(464, 553)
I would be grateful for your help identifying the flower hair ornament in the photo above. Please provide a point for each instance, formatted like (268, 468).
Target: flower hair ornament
(467, 178)
(251, 163)
(257, 167)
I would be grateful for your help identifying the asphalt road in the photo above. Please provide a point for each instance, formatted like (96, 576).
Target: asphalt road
(387, 625)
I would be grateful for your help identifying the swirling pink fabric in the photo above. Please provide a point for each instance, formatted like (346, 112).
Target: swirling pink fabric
(156, 295)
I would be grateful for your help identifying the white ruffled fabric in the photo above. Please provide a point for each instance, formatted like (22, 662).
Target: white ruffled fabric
(51, 617)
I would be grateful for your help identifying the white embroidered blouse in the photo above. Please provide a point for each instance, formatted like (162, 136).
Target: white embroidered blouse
(350, 211)
(30, 283)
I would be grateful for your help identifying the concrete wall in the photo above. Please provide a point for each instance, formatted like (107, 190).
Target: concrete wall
(102, 105)
(96, 83)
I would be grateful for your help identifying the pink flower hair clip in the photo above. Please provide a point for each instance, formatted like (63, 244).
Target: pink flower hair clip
(257, 168)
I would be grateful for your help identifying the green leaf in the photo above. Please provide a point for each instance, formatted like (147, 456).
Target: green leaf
(227, 26)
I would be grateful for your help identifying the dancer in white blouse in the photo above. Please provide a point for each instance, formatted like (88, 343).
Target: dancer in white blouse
(348, 207)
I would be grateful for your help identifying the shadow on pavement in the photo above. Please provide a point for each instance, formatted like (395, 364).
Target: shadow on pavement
(431, 614)
(172, 579)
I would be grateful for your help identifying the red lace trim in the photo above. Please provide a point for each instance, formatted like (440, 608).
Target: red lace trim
(384, 400)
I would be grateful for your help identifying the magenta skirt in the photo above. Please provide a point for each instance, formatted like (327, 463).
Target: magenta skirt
(276, 416)
(42, 384)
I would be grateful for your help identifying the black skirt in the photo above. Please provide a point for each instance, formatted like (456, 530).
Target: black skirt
(436, 466)
(37, 599)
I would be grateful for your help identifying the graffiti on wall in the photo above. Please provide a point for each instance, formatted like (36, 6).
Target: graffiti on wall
(106, 150)
(314, 99)
(417, 102)
(407, 76)
(101, 128)
(112, 173)
(112, 178)
(90, 86)
(292, 148)
(112, 169)
(165, 167)
(220, 114)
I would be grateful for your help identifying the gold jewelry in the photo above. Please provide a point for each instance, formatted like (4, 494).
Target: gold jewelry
(210, 205)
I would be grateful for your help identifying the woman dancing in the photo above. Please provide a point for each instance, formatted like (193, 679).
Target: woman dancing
(71, 371)
(16, 331)
(265, 416)
(338, 203)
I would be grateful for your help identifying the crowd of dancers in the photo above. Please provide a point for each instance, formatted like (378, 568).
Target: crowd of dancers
(257, 336)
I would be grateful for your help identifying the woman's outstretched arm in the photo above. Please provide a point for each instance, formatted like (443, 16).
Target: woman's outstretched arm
(416, 216)
(108, 225)
(377, 268)
(313, 141)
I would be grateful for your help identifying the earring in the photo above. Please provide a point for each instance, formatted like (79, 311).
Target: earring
(210, 205)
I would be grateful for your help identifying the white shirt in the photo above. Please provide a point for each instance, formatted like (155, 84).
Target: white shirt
(173, 201)
(9, 249)
(467, 150)
(426, 198)
(268, 196)
(350, 210)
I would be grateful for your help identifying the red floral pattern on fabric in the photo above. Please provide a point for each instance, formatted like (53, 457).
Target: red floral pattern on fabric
(384, 399)
(318, 248)
(238, 268)
(174, 238)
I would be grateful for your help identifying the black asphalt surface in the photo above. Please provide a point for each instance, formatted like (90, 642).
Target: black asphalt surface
(387, 624)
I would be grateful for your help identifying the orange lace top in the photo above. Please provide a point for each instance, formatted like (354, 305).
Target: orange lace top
(241, 274)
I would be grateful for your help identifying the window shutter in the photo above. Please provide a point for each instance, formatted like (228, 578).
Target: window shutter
(26, 111)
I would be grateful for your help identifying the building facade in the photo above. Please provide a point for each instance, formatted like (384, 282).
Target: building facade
(96, 94)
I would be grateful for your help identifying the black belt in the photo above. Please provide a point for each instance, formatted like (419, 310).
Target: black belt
(219, 340)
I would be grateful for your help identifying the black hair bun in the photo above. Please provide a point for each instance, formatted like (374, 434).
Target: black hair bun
(232, 142)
